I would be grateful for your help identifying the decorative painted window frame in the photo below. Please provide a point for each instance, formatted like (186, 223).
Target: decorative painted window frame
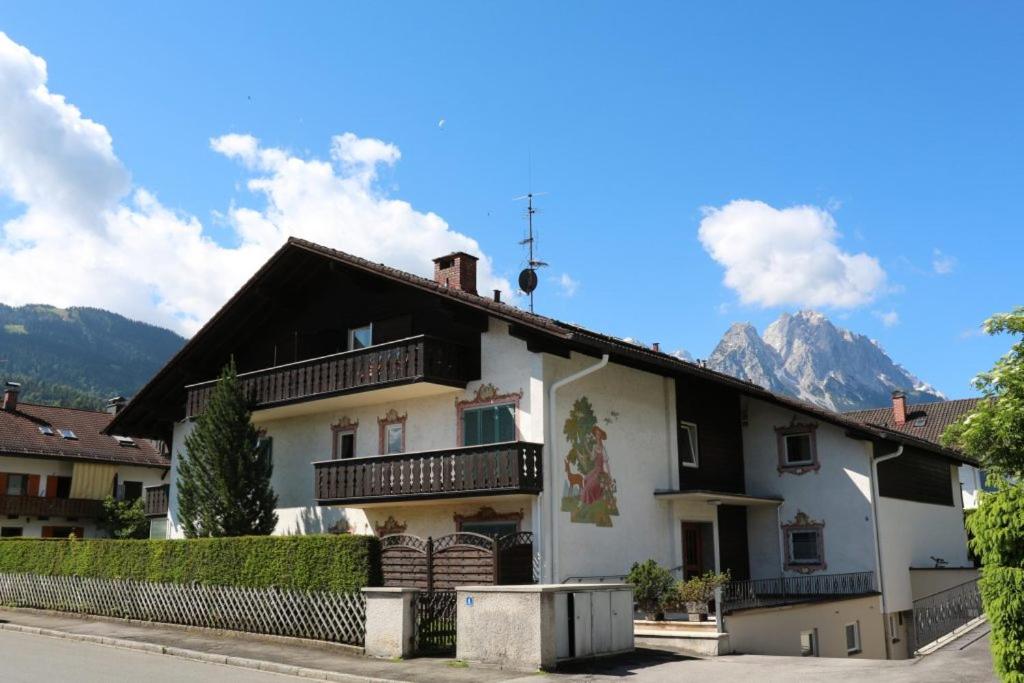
(343, 426)
(803, 522)
(780, 439)
(695, 446)
(390, 526)
(390, 418)
(489, 514)
(487, 395)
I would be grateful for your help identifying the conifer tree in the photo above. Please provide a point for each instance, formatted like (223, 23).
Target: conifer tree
(224, 474)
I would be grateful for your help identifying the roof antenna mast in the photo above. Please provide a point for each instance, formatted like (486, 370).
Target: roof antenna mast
(528, 277)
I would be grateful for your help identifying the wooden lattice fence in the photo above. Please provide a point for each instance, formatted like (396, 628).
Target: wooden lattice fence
(336, 617)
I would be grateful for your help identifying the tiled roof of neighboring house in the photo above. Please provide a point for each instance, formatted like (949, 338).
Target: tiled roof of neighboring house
(565, 334)
(20, 435)
(925, 421)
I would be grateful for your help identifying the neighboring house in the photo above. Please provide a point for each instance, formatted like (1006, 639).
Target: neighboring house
(57, 465)
(393, 403)
(928, 421)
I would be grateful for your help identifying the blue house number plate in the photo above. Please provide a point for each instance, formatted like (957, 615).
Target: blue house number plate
(469, 601)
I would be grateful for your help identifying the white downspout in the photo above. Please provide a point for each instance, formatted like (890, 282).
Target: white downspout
(878, 541)
(551, 543)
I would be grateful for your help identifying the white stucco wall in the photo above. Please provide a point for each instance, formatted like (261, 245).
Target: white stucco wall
(32, 527)
(633, 408)
(970, 485)
(838, 494)
(911, 534)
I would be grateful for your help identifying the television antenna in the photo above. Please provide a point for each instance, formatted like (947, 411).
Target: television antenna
(528, 277)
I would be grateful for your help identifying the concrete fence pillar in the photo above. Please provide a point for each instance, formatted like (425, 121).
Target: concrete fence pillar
(390, 622)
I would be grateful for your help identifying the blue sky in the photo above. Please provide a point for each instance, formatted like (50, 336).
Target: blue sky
(899, 122)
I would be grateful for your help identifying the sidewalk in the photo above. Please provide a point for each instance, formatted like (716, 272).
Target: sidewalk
(283, 655)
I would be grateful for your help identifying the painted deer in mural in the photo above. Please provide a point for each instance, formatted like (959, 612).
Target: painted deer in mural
(575, 480)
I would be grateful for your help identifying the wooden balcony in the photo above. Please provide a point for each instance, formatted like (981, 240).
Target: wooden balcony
(38, 506)
(156, 500)
(415, 359)
(493, 469)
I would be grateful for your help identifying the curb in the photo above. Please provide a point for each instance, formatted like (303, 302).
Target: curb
(195, 655)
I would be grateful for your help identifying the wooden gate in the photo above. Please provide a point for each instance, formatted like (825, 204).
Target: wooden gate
(435, 622)
(459, 559)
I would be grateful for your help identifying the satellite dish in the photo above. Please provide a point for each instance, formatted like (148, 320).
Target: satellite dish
(528, 280)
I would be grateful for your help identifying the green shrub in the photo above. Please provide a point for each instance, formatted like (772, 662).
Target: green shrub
(698, 591)
(328, 562)
(997, 525)
(1002, 591)
(652, 587)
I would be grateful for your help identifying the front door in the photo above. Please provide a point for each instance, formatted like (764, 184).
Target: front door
(693, 550)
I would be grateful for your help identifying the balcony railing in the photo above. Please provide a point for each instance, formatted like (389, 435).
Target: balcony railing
(794, 589)
(38, 506)
(156, 500)
(512, 467)
(415, 359)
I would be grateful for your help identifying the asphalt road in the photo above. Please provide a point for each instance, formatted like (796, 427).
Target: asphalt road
(27, 658)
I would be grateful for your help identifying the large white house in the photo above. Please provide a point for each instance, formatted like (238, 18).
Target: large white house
(394, 403)
(57, 466)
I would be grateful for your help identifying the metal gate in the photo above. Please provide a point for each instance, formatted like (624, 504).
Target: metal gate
(943, 612)
(435, 623)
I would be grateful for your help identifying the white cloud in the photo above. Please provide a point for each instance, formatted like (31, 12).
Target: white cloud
(942, 264)
(85, 236)
(567, 284)
(888, 318)
(783, 257)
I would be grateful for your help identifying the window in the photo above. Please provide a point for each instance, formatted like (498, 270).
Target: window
(265, 445)
(489, 522)
(492, 529)
(895, 621)
(489, 424)
(158, 528)
(809, 643)
(62, 531)
(687, 444)
(11, 531)
(344, 445)
(803, 546)
(360, 337)
(798, 451)
(125, 441)
(17, 484)
(67, 434)
(853, 638)
(46, 430)
(394, 438)
(131, 490)
(63, 486)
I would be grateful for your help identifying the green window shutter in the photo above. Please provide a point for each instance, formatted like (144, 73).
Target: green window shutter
(506, 418)
(471, 428)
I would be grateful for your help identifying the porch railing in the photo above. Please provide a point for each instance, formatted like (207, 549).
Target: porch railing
(511, 467)
(793, 589)
(422, 358)
(940, 613)
(38, 506)
(156, 500)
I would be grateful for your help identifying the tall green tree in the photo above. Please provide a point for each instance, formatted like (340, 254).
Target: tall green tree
(224, 475)
(994, 432)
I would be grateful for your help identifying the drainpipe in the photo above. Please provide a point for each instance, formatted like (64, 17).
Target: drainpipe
(878, 542)
(550, 576)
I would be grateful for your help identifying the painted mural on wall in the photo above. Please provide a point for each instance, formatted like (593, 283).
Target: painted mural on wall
(588, 493)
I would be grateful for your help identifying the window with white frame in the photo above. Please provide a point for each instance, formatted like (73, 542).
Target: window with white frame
(688, 454)
(394, 438)
(852, 638)
(360, 337)
(798, 450)
(809, 643)
(17, 485)
(344, 444)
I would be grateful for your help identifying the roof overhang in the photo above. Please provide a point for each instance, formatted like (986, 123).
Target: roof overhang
(718, 498)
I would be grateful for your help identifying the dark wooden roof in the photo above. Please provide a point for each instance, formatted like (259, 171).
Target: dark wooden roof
(20, 436)
(162, 400)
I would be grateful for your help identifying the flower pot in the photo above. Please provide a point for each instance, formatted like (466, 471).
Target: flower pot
(697, 611)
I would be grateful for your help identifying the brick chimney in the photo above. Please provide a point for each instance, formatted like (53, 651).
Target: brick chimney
(456, 270)
(11, 390)
(116, 404)
(899, 408)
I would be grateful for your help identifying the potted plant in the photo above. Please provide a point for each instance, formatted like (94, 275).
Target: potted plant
(652, 588)
(696, 592)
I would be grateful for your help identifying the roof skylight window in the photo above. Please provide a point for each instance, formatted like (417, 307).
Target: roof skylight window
(125, 441)
(67, 434)
(46, 430)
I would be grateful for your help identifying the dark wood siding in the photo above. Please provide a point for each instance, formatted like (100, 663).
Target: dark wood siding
(716, 412)
(732, 541)
(916, 476)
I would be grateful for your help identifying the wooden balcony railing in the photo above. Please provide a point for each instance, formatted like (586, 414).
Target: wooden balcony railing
(512, 467)
(415, 359)
(156, 500)
(38, 506)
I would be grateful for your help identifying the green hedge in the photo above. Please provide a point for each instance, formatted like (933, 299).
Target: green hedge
(1002, 591)
(328, 562)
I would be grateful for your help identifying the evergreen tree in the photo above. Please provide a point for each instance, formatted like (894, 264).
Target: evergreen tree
(224, 475)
